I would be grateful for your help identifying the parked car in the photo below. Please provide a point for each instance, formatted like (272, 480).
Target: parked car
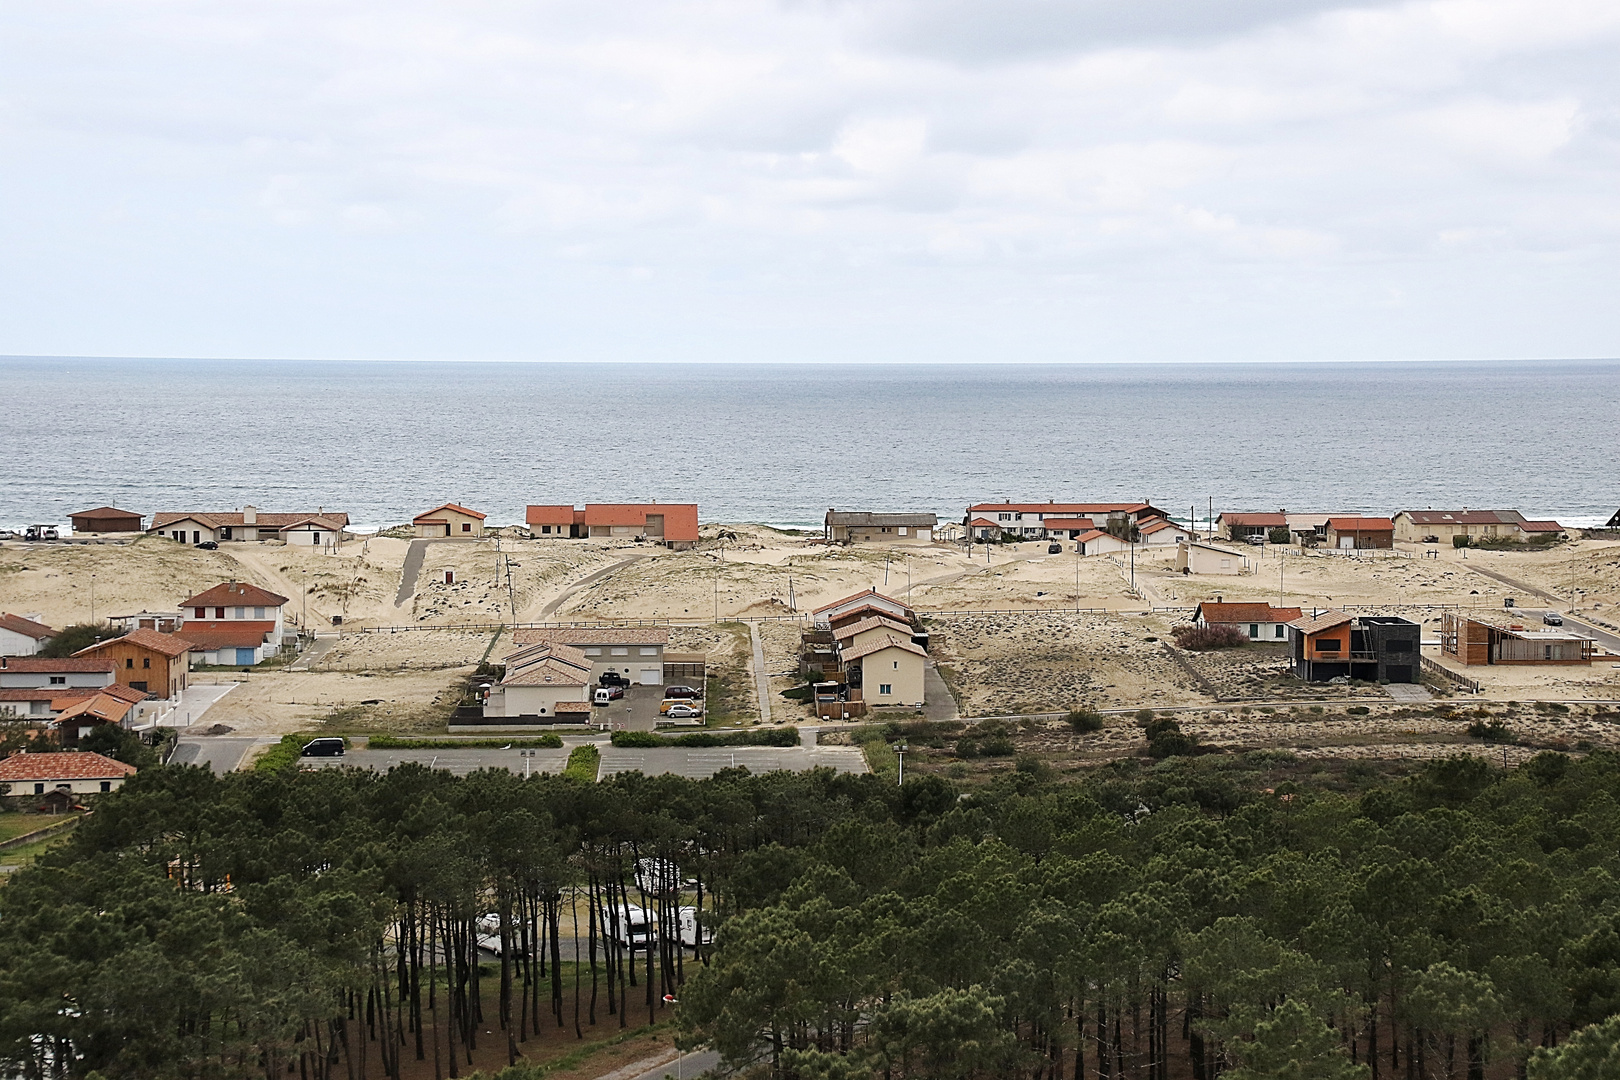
(1552, 618)
(1054, 548)
(37, 533)
(612, 678)
(605, 694)
(208, 545)
(326, 747)
(682, 711)
(682, 692)
(1257, 541)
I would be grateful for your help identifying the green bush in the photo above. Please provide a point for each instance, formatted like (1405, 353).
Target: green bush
(999, 747)
(286, 753)
(1166, 739)
(1493, 731)
(1459, 541)
(636, 739)
(71, 639)
(583, 763)
(1084, 720)
(1358, 710)
(1279, 535)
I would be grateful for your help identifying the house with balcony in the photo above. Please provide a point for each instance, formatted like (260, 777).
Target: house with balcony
(234, 623)
(1027, 521)
(1471, 641)
(1375, 648)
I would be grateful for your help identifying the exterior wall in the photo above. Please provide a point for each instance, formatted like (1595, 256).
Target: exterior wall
(1103, 545)
(635, 662)
(1166, 537)
(874, 534)
(15, 644)
(83, 524)
(531, 700)
(310, 536)
(27, 788)
(1261, 631)
(189, 532)
(1202, 560)
(227, 657)
(247, 613)
(900, 670)
(31, 679)
(1407, 530)
(1351, 540)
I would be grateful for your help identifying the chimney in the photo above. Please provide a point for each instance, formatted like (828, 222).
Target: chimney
(250, 515)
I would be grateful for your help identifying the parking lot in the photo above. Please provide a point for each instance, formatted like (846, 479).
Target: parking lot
(460, 762)
(636, 711)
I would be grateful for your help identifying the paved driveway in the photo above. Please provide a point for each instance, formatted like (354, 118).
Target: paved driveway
(221, 753)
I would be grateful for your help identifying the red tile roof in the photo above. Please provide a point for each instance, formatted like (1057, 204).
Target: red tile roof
(68, 765)
(549, 515)
(60, 697)
(41, 664)
(1361, 524)
(1217, 612)
(983, 523)
(680, 519)
(1069, 523)
(876, 645)
(1541, 526)
(107, 707)
(235, 594)
(1060, 509)
(1317, 623)
(1160, 525)
(868, 595)
(572, 707)
(170, 645)
(104, 513)
(27, 627)
(448, 506)
(226, 633)
(873, 622)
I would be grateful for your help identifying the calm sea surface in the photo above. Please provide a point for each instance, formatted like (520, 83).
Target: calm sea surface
(781, 444)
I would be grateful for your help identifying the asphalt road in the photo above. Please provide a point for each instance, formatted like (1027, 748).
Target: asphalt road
(1607, 638)
(459, 762)
(686, 1067)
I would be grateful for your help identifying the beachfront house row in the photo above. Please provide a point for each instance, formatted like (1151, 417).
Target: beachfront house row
(250, 524)
(146, 660)
(21, 636)
(234, 623)
(1359, 533)
(64, 673)
(636, 652)
(106, 519)
(39, 777)
(1195, 557)
(1442, 526)
(545, 683)
(1472, 641)
(674, 525)
(449, 520)
(1027, 521)
(1242, 526)
(1376, 648)
(1258, 622)
(857, 527)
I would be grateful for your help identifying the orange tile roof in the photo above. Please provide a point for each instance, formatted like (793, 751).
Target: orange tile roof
(170, 645)
(1217, 612)
(106, 707)
(60, 697)
(67, 765)
(1360, 524)
(447, 506)
(888, 641)
(1159, 525)
(983, 523)
(226, 633)
(873, 622)
(235, 594)
(680, 519)
(27, 627)
(54, 666)
(548, 672)
(549, 515)
(1317, 623)
(868, 595)
(571, 707)
(1069, 523)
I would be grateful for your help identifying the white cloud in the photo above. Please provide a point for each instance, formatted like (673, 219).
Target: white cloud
(635, 175)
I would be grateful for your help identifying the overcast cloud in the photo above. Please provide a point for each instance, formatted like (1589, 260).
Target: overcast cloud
(899, 180)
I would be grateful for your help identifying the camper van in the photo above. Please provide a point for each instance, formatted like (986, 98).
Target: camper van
(643, 925)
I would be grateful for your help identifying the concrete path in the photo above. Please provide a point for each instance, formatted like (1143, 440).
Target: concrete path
(762, 681)
(685, 1067)
(322, 645)
(1408, 692)
(583, 583)
(194, 702)
(938, 704)
(408, 573)
(221, 753)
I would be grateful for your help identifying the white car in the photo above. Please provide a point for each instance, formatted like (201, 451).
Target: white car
(683, 712)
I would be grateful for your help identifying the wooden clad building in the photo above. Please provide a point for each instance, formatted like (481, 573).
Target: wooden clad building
(146, 660)
(1473, 642)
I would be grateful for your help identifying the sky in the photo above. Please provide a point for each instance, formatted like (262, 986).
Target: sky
(962, 181)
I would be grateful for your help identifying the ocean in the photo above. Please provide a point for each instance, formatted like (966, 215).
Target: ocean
(780, 444)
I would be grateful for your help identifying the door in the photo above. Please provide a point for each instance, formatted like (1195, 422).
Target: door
(1347, 542)
(244, 656)
(652, 676)
(1402, 673)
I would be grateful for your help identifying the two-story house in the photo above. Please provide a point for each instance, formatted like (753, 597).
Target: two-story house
(233, 623)
(1027, 521)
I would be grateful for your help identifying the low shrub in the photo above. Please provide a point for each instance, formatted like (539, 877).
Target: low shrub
(1166, 739)
(285, 754)
(1084, 720)
(1492, 731)
(636, 739)
(784, 736)
(583, 763)
(1551, 707)
(1203, 638)
(998, 747)
(1144, 716)
(1358, 710)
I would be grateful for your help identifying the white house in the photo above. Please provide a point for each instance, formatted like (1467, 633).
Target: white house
(21, 636)
(1162, 533)
(233, 623)
(71, 772)
(1097, 542)
(1260, 622)
(1196, 558)
(313, 532)
(636, 652)
(29, 672)
(545, 681)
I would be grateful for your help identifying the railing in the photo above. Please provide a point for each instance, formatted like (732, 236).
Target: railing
(1440, 671)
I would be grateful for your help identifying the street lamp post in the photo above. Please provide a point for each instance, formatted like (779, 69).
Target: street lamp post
(900, 752)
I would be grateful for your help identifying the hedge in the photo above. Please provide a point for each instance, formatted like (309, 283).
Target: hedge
(783, 736)
(583, 763)
(548, 741)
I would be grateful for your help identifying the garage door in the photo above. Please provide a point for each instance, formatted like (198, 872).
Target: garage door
(651, 676)
(1402, 673)
(244, 656)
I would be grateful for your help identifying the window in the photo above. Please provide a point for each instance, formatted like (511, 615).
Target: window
(466, 526)
(39, 789)
(897, 665)
(129, 662)
(1226, 564)
(1329, 644)
(58, 680)
(883, 688)
(593, 651)
(902, 530)
(146, 661)
(106, 785)
(202, 613)
(219, 613)
(315, 538)
(38, 708)
(621, 650)
(649, 650)
(545, 528)
(258, 613)
(1254, 630)
(1279, 629)
(141, 686)
(239, 614)
(1003, 517)
(196, 537)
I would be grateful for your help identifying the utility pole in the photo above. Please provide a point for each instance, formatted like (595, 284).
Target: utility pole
(1279, 579)
(92, 599)
(900, 752)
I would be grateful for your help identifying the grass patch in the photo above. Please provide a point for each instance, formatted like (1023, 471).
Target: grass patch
(547, 741)
(880, 756)
(584, 763)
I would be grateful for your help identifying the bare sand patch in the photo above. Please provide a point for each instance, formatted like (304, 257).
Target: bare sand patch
(55, 580)
(279, 702)
(419, 649)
